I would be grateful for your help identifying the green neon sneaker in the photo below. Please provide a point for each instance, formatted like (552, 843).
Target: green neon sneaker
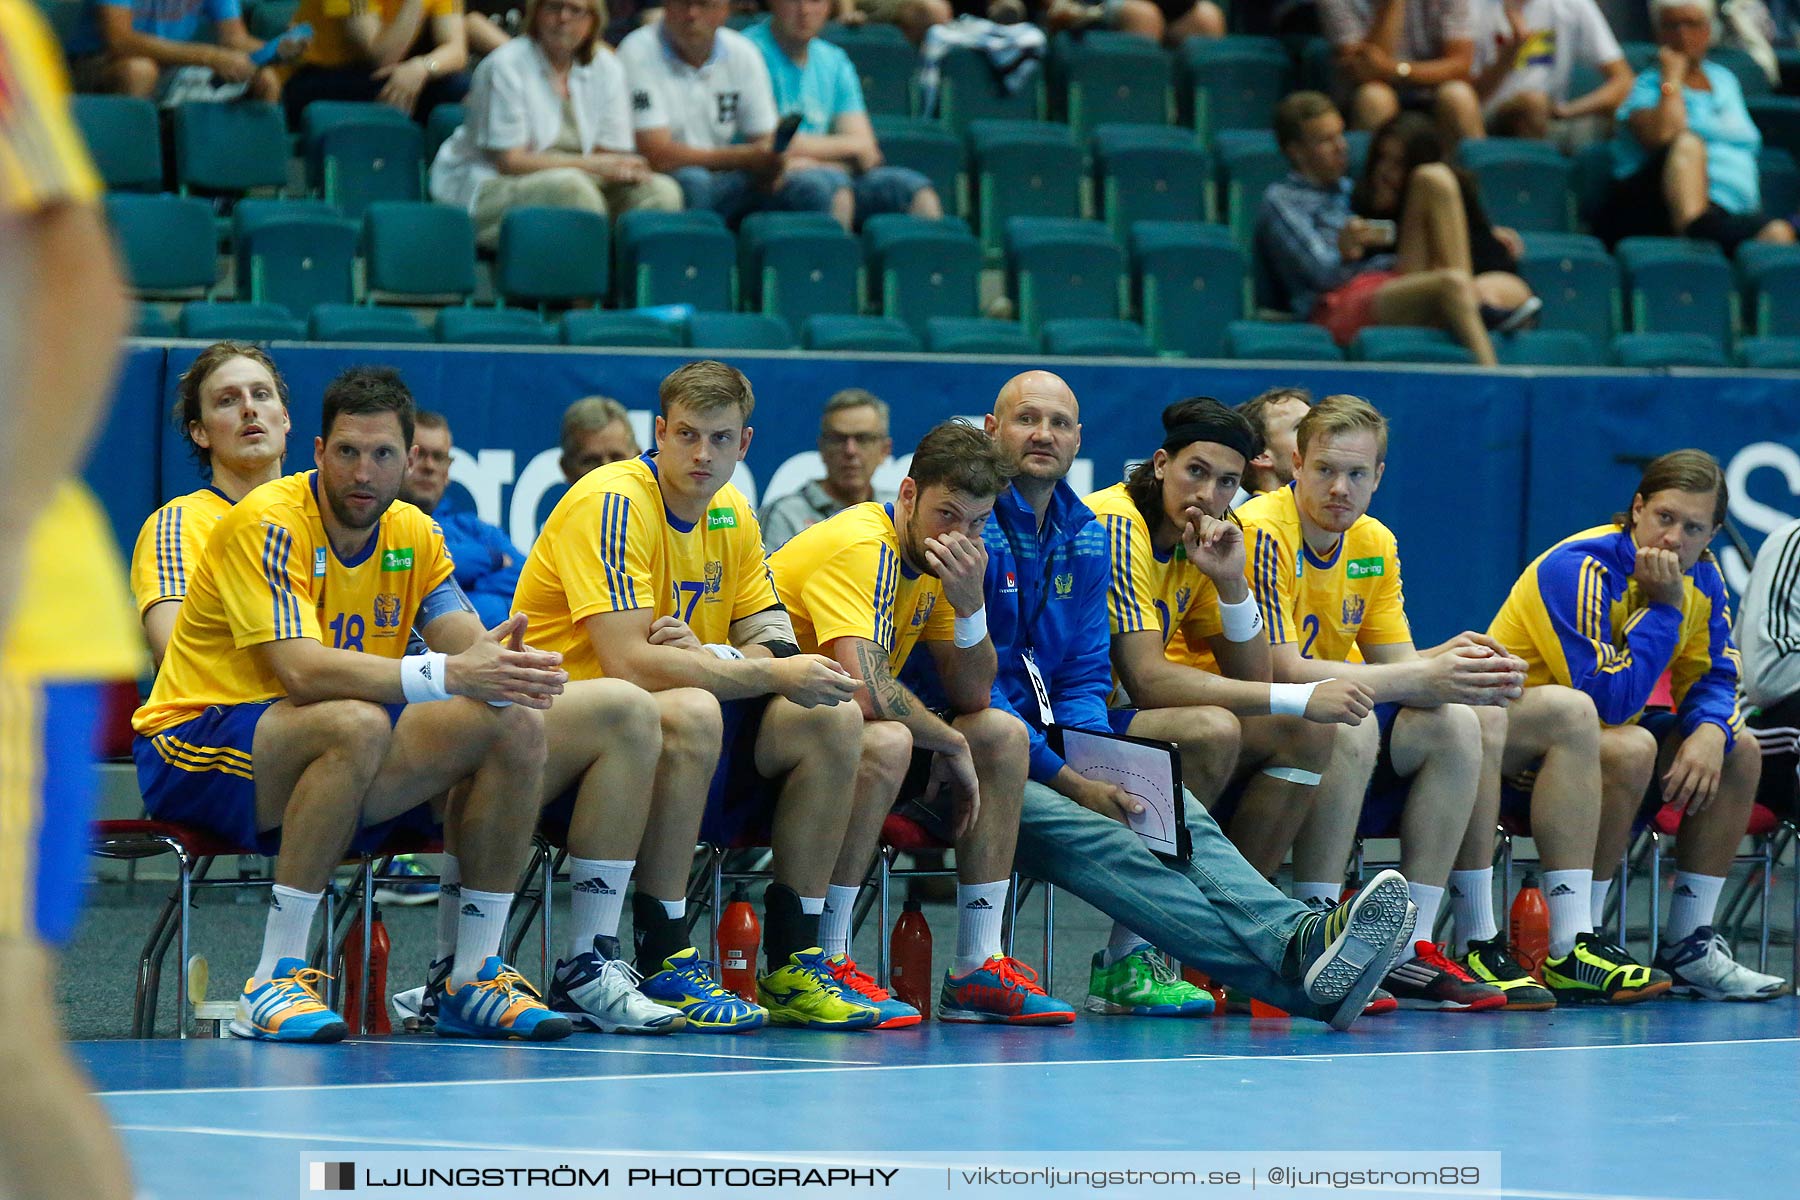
(1142, 984)
(1598, 972)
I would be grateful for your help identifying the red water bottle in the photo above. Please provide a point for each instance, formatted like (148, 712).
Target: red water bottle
(1528, 928)
(739, 936)
(1201, 980)
(375, 1020)
(910, 953)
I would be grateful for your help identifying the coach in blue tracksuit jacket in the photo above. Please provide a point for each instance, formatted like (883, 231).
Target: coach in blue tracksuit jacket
(1047, 578)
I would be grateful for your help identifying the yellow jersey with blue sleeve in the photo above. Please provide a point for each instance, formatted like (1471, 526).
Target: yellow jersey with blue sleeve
(845, 577)
(1577, 620)
(1330, 604)
(1151, 591)
(269, 573)
(71, 632)
(170, 544)
(42, 158)
(612, 545)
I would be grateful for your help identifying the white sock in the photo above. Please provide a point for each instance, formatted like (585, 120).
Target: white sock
(834, 922)
(1317, 891)
(1597, 906)
(1472, 907)
(480, 923)
(1570, 895)
(289, 927)
(979, 907)
(1428, 899)
(1696, 896)
(676, 909)
(449, 901)
(1122, 944)
(813, 906)
(597, 892)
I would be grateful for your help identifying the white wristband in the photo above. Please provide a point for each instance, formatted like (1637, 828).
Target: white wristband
(971, 629)
(422, 677)
(721, 650)
(1242, 621)
(1290, 699)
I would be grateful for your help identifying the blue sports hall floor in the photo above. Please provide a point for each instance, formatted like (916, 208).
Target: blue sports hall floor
(1669, 1099)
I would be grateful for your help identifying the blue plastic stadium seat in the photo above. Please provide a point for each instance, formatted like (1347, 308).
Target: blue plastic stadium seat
(830, 331)
(920, 269)
(621, 329)
(553, 255)
(169, 243)
(1059, 268)
(1524, 184)
(1091, 337)
(152, 323)
(977, 335)
(1248, 162)
(495, 326)
(739, 331)
(234, 147)
(756, 230)
(1778, 119)
(1675, 285)
(927, 147)
(1405, 343)
(1231, 82)
(1022, 169)
(885, 63)
(1770, 353)
(968, 91)
(1578, 281)
(1547, 348)
(299, 262)
(1192, 280)
(804, 273)
(1296, 341)
(1155, 173)
(1107, 76)
(419, 249)
(1668, 350)
(123, 140)
(674, 258)
(362, 323)
(212, 321)
(363, 162)
(1770, 275)
(444, 120)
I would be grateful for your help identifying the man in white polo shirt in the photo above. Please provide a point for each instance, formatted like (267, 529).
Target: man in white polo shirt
(705, 113)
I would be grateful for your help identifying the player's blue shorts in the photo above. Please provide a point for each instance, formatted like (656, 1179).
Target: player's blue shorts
(1385, 801)
(200, 773)
(46, 801)
(1120, 719)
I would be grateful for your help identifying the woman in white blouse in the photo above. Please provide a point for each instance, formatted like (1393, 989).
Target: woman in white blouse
(548, 122)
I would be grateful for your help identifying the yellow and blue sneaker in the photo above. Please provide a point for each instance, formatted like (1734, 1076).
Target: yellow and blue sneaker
(498, 1003)
(686, 984)
(286, 1007)
(803, 992)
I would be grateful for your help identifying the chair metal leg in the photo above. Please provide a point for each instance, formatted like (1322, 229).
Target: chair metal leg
(1768, 888)
(368, 942)
(1624, 889)
(718, 899)
(1506, 870)
(549, 908)
(884, 860)
(1356, 860)
(1012, 910)
(1655, 893)
(186, 899)
(1049, 935)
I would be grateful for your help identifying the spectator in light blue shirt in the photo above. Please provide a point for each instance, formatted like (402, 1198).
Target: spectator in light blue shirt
(817, 80)
(1685, 162)
(487, 563)
(144, 47)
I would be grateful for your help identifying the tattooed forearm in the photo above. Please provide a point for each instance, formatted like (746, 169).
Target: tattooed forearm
(886, 696)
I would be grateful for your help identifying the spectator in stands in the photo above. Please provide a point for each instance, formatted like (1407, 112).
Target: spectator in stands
(157, 51)
(853, 442)
(1686, 162)
(1165, 22)
(548, 123)
(913, 17)
(816, 79)
(487, 563)
(1408, 168)
(1394, 54)
(1526, 52)
(1275, 414)
(704, 113)
(232, 406)
(1768, 634)
(1328, 260)
(595, 431)
(410, 54)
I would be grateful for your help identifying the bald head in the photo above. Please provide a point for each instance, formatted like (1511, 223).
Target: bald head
(1039, 385)
(1037, 425)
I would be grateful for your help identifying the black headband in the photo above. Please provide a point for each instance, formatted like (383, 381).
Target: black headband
(1219, 430)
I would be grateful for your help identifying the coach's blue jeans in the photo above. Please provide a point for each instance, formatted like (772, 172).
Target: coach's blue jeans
(1214, 912)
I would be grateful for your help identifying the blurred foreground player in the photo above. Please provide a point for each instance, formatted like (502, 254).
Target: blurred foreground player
(61, 297)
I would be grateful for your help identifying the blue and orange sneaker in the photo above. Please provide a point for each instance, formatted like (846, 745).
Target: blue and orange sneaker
(498, 1003)
(686, 984)
(286, 1007)
(891, 1012)
(1001, 991)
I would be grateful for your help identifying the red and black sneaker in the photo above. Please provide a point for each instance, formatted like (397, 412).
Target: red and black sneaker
(1431, 980)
